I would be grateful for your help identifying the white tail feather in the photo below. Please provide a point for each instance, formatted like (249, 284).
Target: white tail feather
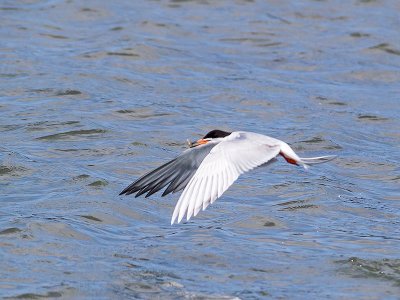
(317, 160)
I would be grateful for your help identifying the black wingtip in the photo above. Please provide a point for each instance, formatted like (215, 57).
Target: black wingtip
(124, 191)
(141, 192)
(130, 189)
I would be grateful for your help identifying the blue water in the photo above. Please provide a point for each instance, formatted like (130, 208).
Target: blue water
(96, 93)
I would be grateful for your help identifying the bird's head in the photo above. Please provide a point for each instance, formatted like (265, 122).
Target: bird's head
(213, 134)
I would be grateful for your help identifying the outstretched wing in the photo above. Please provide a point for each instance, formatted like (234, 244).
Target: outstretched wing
(234, 155)
(177, 173)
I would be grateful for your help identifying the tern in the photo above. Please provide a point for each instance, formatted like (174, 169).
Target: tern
(211, 165)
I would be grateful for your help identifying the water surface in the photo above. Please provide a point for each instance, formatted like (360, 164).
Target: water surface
(95, 93)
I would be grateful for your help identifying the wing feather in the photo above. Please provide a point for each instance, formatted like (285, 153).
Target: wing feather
(203, 198)
(177, 173)
(182, 183)
(207, 193)
(174, 183)
(196, 191)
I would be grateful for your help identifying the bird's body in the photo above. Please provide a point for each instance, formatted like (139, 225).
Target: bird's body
(212, 164)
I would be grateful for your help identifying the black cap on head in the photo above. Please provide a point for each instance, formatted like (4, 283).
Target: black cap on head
(216, 134)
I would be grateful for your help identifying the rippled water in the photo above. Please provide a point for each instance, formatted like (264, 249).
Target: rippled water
(95, 93)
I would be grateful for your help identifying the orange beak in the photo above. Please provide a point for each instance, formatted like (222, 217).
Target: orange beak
(198, 143)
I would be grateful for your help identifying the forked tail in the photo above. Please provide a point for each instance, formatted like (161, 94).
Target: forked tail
(292, 158)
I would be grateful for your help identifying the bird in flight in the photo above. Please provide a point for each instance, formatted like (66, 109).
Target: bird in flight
(211, 165)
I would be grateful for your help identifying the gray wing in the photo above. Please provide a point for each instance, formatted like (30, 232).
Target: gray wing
(176, 173)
